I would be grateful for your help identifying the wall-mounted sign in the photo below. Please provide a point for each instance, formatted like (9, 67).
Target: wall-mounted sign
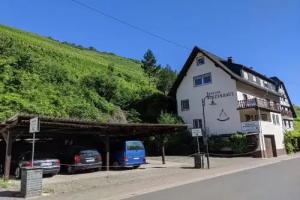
(250, 127)
(196, 132)
(219, 94)
(223, 116)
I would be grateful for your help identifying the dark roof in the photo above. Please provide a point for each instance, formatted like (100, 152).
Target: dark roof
(68, 126)
(233, 69)
(278, 82)
(237, 68)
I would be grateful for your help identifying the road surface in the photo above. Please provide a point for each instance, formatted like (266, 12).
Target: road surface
(273, 182)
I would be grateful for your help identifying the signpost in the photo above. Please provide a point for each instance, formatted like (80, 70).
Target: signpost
(196, 132)
(34, 127)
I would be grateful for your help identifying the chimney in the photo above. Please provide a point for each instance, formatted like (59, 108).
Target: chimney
(229, 60)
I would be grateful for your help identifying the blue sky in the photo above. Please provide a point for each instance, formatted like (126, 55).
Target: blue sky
(263, 34)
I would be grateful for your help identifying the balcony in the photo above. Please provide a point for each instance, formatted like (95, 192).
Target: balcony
(287, 113)
(259, 103)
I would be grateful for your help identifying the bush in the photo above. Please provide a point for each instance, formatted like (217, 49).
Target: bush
(292, 141)
(239, 143)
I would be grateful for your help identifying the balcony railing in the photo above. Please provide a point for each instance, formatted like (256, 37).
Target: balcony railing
(259, 103)
(287, 113)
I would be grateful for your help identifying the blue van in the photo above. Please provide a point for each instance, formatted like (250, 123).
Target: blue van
(128, 154)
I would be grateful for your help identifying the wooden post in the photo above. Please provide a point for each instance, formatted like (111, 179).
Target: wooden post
(107, 152)
(8, 156)
(163, 159)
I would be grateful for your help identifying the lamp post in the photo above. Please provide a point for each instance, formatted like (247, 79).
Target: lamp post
(205, 138)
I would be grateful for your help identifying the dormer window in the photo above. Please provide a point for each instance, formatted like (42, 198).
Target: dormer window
(200, 60)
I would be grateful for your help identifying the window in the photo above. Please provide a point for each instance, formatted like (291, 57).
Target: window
(202, 79)
(258, 81)
(250, 77)
(277, 120)
(197, 123)
(200, 60)
(185, 105)
(264, 117)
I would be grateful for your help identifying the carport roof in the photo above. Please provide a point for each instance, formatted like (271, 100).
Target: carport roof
(19, 124)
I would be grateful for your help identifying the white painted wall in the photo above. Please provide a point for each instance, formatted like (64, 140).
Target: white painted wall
(268, 128)
(222, 82)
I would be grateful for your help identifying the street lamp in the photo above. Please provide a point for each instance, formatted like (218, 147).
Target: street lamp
(205, 138)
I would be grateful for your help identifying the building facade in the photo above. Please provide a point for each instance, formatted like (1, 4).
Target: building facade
(236, 99)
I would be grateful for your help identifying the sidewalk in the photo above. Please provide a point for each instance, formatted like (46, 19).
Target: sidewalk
(153, 177)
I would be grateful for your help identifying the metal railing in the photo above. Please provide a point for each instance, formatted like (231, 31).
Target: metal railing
(259, 103)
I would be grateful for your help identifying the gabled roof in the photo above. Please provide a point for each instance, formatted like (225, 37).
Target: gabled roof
(233, 69)
(278, 82)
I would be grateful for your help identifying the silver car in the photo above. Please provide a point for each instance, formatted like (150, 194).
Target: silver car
(46, 161)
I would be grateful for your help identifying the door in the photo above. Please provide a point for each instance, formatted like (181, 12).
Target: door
(270, 146)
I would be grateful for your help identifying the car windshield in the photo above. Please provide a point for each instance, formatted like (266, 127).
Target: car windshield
(134, 145)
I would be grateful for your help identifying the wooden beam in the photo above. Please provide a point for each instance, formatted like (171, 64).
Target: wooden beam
(163, 154)
(8, 155)
(4, 135)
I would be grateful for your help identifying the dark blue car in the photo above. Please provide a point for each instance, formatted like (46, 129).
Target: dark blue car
(128, 154)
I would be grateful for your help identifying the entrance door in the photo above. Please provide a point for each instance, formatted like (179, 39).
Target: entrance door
(270, 146)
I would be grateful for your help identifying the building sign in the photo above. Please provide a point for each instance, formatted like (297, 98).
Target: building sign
(250, 127)
(196, 132)
(219, 94)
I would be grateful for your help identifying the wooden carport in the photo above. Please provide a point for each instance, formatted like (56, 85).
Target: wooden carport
(18, 126)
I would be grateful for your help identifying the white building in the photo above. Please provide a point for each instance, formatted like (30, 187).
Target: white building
(237, 99)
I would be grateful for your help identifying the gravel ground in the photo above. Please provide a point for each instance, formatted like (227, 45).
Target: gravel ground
(151, 177)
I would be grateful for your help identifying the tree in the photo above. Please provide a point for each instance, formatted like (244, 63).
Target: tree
(149, 65)
(166, 78)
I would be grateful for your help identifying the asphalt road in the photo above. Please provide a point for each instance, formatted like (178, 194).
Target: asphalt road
(273, 182)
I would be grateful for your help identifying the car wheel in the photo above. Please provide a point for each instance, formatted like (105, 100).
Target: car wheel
(18, 173)
(70, 170)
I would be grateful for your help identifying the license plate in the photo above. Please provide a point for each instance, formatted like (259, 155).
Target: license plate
(46, 164)
(136, 158)
(90, 160)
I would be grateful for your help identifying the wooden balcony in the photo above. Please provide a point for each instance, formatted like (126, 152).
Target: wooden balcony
(287, 113)
(259, 103)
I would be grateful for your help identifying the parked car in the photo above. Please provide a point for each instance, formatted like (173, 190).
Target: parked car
(79, 158)
(128, 154)
(46, 161)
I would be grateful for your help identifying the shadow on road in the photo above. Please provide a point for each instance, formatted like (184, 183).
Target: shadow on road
(15, 194)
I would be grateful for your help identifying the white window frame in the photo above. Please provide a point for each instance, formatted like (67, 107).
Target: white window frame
(202, 76)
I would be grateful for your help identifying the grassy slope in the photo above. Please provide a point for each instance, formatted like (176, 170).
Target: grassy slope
(53, 85)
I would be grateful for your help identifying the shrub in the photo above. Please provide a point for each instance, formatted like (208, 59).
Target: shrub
(292, 141)
(239, 143)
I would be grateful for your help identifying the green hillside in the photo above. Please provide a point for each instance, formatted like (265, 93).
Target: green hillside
(43, 76)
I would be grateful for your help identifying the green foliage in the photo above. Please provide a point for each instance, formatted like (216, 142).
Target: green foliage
(239, 143)
(4, 184)
(169, 118)
(292, 141)
(43, 76)
(149, 65)
(166, 78)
